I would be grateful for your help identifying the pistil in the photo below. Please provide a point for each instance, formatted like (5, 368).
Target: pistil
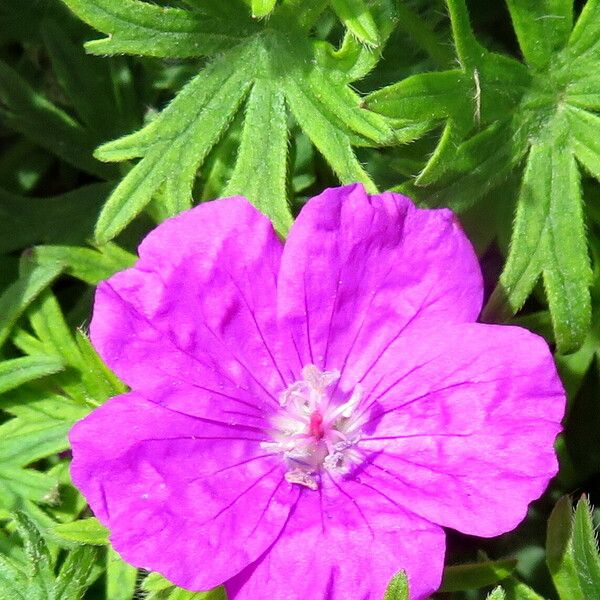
(317, 427)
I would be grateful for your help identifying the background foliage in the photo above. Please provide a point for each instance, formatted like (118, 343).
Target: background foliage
(116, 114)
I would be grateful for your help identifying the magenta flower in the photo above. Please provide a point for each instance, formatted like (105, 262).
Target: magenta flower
(304, 419)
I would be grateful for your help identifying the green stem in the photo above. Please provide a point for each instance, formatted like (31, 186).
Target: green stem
(468, 49)
(423, 35)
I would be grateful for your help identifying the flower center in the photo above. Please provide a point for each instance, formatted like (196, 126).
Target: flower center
(317, 427)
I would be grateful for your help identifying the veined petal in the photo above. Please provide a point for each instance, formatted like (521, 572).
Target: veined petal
(357, 271)
(345, 541)
(198, 306)
(194, 500)
(461, 424)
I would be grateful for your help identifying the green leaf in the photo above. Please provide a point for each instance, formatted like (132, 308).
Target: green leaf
(84, 531)
(543, 27)
(64, 219)
(101, 91)
(49, 325)
(504, 111)
(262, 8)
(584, 92)
(355, 15)
(477, 575)
(39, 406)
(121, 578)
(28, 112)
(39, 561)
(258, 176)
(18, 485)
(333, 144)
(87, 264)
(585, 550)
(160, 588)
(398, 588)
(585, 135)
(13, 582)
(585, 38)
(559, 551)
(38, 431)
(478, 166)
(18, 371)
(422, 32)
(18, 296)
(35, 575)
(135, 27)
(74, 574)
(155, 582)
(549, 238)
(425, 96)
(278, 65)
(99, 380)
(24, 441)
(175, 144)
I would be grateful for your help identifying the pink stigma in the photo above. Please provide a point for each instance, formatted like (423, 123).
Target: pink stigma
(315, 427)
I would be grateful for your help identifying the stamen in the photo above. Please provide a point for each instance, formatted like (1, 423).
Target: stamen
(317, 427)
(302, 477)
(319, 380)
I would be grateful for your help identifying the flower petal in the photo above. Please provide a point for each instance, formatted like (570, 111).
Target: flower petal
(345, 541)
(470, 411)
(192, 499)
(198, 306)
(357, 270)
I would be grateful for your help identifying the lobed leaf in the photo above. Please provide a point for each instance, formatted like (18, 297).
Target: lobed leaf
(585, 550)
(549, 238)
(15, 299)
(283, 68)
(333, 144)
(260, 176)
(17, 371)
(160, 588)
(515, 110)
(175, 144)
(121, 578)
(585, 38)
(559, 551)
(584, 128)
(49, 325)
(87, 264)
(542, 28)
(135, 27)
(83, 531)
